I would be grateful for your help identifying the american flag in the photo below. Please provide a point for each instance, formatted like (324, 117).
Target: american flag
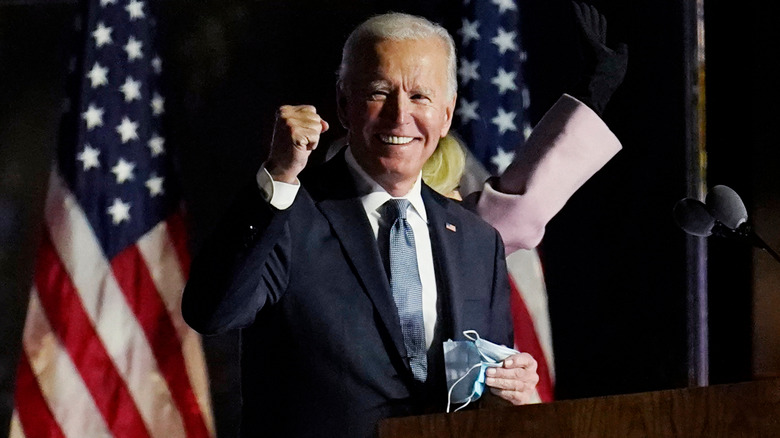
(106, 351)
(492, 110)
(492, 119)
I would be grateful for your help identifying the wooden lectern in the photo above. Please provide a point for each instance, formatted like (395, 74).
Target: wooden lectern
(736, 410)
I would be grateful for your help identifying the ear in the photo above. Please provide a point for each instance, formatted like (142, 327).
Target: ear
(341, 106)
(449, 112)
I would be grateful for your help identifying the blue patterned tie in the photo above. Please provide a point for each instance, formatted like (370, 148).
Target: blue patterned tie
(406, 286)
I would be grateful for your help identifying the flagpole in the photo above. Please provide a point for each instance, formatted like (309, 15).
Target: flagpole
(696, 162)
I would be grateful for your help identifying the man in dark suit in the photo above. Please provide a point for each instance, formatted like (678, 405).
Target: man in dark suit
(337, 332)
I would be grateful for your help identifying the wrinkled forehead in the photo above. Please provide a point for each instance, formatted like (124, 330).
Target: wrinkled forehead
(427, 55)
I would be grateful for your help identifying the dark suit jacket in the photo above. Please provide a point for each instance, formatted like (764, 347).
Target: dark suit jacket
(322, 350)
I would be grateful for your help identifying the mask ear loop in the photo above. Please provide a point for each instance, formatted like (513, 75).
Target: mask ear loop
(449, 393)
(471, 335)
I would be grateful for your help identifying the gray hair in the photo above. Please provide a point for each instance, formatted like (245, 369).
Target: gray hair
(398, 27)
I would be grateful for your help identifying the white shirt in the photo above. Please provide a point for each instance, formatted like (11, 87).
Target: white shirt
(281, 195)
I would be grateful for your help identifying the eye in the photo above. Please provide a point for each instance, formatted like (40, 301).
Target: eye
(377, 95)
(420, 97)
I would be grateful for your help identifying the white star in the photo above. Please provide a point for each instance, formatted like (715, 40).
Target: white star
(131, 89)
(156, 144)
(89, 157)
(467, 111)
(468, 71)
(107, 2)
(123, 171)
(469, 31)
(502, 159)
(155, 185)
(93, 116)
(119, 211)
(135, 9)
(157, 104)
(504, 81)
(102, 35)
(157, 64)
(505, 121)
(504, 5)
(504, 40)
(127, 129)
(133, 49)
(98, 75)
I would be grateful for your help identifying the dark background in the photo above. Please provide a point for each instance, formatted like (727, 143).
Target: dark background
(614, 259)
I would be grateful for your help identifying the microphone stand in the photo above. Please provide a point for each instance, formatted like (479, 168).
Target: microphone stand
(745, 233)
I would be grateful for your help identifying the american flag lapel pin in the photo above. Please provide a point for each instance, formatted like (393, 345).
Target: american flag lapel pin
(450, 227)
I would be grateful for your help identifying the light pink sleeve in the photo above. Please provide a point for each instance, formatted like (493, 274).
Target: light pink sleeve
(568, 146)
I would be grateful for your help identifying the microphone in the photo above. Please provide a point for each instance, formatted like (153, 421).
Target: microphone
(722, 214)
(725, 205)
(692, 216)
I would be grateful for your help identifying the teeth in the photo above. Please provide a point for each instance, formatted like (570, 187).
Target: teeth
(392, 139)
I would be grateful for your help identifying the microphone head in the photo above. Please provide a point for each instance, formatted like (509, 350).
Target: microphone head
(725, 205)
(692, 216)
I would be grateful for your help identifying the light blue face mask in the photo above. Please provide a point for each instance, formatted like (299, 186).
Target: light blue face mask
(465, 364)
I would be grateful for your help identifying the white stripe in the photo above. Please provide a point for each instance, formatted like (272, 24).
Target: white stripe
(16, 426)
(105, 304)
(526, 270)
(61, 384)
(160, 256)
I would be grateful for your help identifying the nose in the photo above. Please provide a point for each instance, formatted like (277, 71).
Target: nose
(396, 108)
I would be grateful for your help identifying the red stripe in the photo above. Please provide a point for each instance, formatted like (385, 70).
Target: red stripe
(72, 325)
(143, 298)
(177, 229)
(34, 414)
(527, 340)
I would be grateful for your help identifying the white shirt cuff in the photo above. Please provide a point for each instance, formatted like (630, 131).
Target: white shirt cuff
(279, 194)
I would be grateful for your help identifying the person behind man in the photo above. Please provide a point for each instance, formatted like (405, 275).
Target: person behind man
(347, 278)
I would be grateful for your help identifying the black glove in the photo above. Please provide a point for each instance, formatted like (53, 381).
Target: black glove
(604, 68)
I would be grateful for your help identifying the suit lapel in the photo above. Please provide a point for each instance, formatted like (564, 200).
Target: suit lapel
(335, 195)
(446, 244)
(351, 226)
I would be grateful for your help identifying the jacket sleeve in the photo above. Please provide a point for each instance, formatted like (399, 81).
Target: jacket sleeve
(568, 146)
(242, 266)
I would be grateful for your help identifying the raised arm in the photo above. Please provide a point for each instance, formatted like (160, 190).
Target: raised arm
(243, 265)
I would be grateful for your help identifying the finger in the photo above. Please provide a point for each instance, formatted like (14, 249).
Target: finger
(579, 14)
(300, 114)
(303, 125)
(306, 138)
(506, 384)
(513, 383)
(602, 26)
(594, 20)
(514, 379)
(314, 126)
(520, 360)
(577, 11)
(622, 49)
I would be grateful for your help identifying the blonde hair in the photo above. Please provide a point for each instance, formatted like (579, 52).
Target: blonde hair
(443, 170)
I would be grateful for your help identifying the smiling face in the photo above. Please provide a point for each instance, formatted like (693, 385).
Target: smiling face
(396, 107)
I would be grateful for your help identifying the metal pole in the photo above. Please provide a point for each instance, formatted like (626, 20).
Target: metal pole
(696, 163)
